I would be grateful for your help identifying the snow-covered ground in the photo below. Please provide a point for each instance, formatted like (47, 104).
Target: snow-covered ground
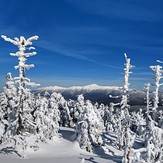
(64, 150)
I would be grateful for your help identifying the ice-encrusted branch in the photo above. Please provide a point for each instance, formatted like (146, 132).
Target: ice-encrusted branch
(148, 102)
(20, 42)
(147, 89)
(158, 76)
(124, 107)
(127, 72)
(23, 45)
(15, 42)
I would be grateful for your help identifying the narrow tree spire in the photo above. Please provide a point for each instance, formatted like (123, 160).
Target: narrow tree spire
(158, 76)
(148, 103)
(125, 107)
(23, 45)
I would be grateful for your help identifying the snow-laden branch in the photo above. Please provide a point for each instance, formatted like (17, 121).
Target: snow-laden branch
(23, 45)
(159, 61)
(158, 76)
(21, 42)
(9, 40)
(127, 72)
(32, 38)
(148, 103)
(25, 66)
(125, 131)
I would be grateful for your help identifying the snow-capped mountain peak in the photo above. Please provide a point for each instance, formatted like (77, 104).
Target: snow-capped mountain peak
(90, 87)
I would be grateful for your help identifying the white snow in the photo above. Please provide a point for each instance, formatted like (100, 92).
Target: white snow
(60, 150)
(90, 87)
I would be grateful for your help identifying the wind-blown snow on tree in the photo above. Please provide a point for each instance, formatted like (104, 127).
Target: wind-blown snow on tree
(23, 93)
(9, 105)
(148, 102)
(10, 91)
(88, 128)
(153, 136)
(125, 133)
(54, 114)
(157, 77)
(153, 142)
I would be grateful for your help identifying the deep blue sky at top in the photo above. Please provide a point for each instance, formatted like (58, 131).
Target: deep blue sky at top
(82, 41)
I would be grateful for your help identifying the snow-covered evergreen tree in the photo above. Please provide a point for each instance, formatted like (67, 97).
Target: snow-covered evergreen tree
(23, 93)
(153, 151)
(160, 119)
(54, 113)
(3, 113)
(89, 127)
(94, 124)
(42, 118)
(8, 105)
(38, 116)
(154, 134)
(72, 109)
(47, 115)
(79, 107)
(10, 92)
(148, 102)
(110, 115)
(139, 122)
(153, 142)
(65, 118)
(157, 77)
(99, 116)
(125, 132)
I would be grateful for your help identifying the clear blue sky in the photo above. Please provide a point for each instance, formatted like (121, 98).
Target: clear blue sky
(82, 41)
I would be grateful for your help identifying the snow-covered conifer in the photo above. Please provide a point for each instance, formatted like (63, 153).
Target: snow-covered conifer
(157, 77)
(88, 128)
(148, 102)
(95, 127)
(138, 120)
(153, 142)
(125, 133)
(10, 92)
(78, 108)
(54, 113)
(65, 118)
(160, 119)
(23, 93)
(43, 128)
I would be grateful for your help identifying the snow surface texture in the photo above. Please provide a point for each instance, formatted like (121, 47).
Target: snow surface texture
(63, 150)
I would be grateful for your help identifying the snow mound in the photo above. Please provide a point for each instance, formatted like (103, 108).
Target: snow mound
(60, 150)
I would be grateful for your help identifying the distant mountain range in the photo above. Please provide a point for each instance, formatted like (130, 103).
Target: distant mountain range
(96, 93)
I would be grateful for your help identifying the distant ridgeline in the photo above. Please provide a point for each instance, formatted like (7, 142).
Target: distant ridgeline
(100, 94)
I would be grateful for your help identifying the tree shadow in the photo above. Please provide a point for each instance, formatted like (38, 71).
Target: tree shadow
(9, 150)
(107, 151)
(109, 138)
(67, 134)
(100, 152)
(90, 159)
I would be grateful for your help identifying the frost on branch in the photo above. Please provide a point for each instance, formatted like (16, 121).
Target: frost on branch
(125, 132)
(23, 45)
(24, 95)
(158, 76)
(88, 127)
